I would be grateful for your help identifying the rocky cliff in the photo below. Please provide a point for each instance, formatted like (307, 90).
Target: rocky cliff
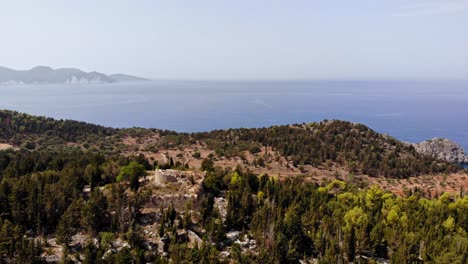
(442, 148)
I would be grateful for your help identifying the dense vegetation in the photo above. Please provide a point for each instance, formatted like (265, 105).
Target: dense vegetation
(13, 124)
(338, 223)
(361, 149)
(42, 194)
(38, 132)
(61, 191)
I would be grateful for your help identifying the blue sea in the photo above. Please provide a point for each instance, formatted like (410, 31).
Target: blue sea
(412, 111)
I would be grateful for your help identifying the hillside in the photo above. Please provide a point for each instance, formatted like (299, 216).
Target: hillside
(47, 75)
(354, 147)
(81, 193)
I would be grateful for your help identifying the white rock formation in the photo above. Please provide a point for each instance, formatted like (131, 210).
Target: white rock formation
(442, 148)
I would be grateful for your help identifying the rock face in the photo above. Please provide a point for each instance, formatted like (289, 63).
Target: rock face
(442, 148)
(221, 204)
(194, 239)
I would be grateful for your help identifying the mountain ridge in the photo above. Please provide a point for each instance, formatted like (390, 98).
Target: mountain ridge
(48, 75)
(293, 149)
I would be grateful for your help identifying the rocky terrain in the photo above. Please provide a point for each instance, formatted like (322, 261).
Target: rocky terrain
(442, 148)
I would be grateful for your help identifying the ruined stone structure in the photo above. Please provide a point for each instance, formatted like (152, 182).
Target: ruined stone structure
(165, 176)
(162, 177)
(176, 187)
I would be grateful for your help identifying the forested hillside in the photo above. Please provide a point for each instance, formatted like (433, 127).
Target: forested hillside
(42, 196)
(66, 196)
(14, 123)
(355, 146)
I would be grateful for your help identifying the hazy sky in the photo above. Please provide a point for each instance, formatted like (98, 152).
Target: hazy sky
(237, 39)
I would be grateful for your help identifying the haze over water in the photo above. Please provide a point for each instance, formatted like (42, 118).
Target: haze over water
(408, 110)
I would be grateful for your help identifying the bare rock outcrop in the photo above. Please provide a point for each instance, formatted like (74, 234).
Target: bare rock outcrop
(442, 148)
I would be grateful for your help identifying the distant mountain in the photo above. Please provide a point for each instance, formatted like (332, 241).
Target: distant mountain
(47, 75)
(126, 78)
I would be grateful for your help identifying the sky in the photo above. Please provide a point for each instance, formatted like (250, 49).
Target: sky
(241, 39)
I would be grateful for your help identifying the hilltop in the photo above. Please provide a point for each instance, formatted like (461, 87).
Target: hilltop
(320, 151)
(299, 147)
(47, 75)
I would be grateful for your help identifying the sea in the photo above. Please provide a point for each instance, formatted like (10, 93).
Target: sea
(408, 110)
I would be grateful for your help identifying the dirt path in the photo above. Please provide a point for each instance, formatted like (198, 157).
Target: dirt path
(5, 146)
